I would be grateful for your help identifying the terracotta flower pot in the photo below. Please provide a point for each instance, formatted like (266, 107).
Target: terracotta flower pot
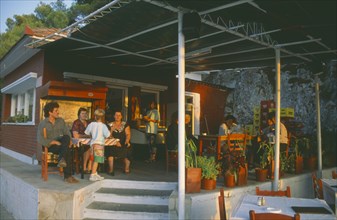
(193, 180)
(208, 184)
(311, 163)
(299, 164)
(261, 174)
(242, 175)
(229, 180)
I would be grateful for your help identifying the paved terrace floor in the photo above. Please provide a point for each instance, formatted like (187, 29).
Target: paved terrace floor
(140, 171)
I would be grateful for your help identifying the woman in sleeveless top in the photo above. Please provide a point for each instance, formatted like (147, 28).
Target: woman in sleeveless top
(120, 130)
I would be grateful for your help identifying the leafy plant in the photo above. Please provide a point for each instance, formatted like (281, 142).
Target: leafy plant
(190, 154)
(232, 161)
(210, 168)
(287, 164)
(19, 118)
(268, 154)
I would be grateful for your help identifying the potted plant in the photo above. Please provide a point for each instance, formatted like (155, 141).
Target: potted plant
(234, 168)
(262, 171)
(209, 171)
(193, 173)
(18, 118)
(268, 157)
(311, 154)
(299, 145)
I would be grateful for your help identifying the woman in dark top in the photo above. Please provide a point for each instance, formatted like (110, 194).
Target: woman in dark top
(120, 130)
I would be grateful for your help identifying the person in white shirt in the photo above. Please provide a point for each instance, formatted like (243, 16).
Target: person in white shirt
(98, 132)
(152, 118)
(283, 131)
(228, 124)
(226, 128)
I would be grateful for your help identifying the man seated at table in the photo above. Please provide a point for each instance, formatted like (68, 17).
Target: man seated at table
(54, 134)
(228, 125)
(226, 128)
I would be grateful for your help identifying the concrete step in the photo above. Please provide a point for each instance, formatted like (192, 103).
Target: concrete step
(121, 199)
(133, 196)
(125, 184)
(105, 214)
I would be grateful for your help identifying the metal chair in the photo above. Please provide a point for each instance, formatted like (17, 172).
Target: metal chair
(269, 216)
(273, 193)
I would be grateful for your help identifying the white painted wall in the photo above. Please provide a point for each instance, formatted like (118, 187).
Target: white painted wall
(19, 198)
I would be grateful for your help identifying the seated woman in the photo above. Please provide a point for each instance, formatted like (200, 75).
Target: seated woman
(122, 131)
(78, 128)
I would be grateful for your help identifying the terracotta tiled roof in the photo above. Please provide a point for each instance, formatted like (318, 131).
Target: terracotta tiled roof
(42, 32)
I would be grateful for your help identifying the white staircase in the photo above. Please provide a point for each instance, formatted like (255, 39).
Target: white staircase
(120, 199)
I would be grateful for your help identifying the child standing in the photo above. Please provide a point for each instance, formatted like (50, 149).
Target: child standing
(98, 132)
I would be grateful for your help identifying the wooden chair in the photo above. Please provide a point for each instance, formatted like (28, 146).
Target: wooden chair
(45, 161)
(236, 142)
(288, 144)
(334, 174)
(222, 207)
(270, 216)
(171, 158)
(318, 186)
(273, 193)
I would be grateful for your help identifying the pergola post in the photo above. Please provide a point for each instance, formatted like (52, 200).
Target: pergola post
(319, 137)
(181, 118)
(277, 118)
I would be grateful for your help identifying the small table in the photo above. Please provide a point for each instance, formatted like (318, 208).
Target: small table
(282, 205)
(330, 192)
(78, 144)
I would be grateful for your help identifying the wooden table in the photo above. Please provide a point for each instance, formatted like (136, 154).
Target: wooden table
(79, 145)
(282, 205)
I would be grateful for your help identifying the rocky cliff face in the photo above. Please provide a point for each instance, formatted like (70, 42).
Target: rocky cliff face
(250, 86)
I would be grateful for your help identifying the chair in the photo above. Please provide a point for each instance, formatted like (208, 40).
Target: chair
(288, 144)
(236, 142)
(334, 174)
(171, 158)
(47, 158)
(222, 207)
(269, 216)
(318, 186)
(273, 193)
(45, 161)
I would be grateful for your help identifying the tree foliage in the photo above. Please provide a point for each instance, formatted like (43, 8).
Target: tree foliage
(53, 15)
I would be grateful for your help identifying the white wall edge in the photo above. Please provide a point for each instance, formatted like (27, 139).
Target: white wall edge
(18, 156)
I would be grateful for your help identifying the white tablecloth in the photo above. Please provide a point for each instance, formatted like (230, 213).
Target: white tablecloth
(330, 191)
(280, 205)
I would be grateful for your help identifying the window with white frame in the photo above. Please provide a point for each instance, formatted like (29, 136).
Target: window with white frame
(22, 102)
(22, 107)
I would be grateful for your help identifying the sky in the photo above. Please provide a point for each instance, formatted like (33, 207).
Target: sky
(9, 8)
